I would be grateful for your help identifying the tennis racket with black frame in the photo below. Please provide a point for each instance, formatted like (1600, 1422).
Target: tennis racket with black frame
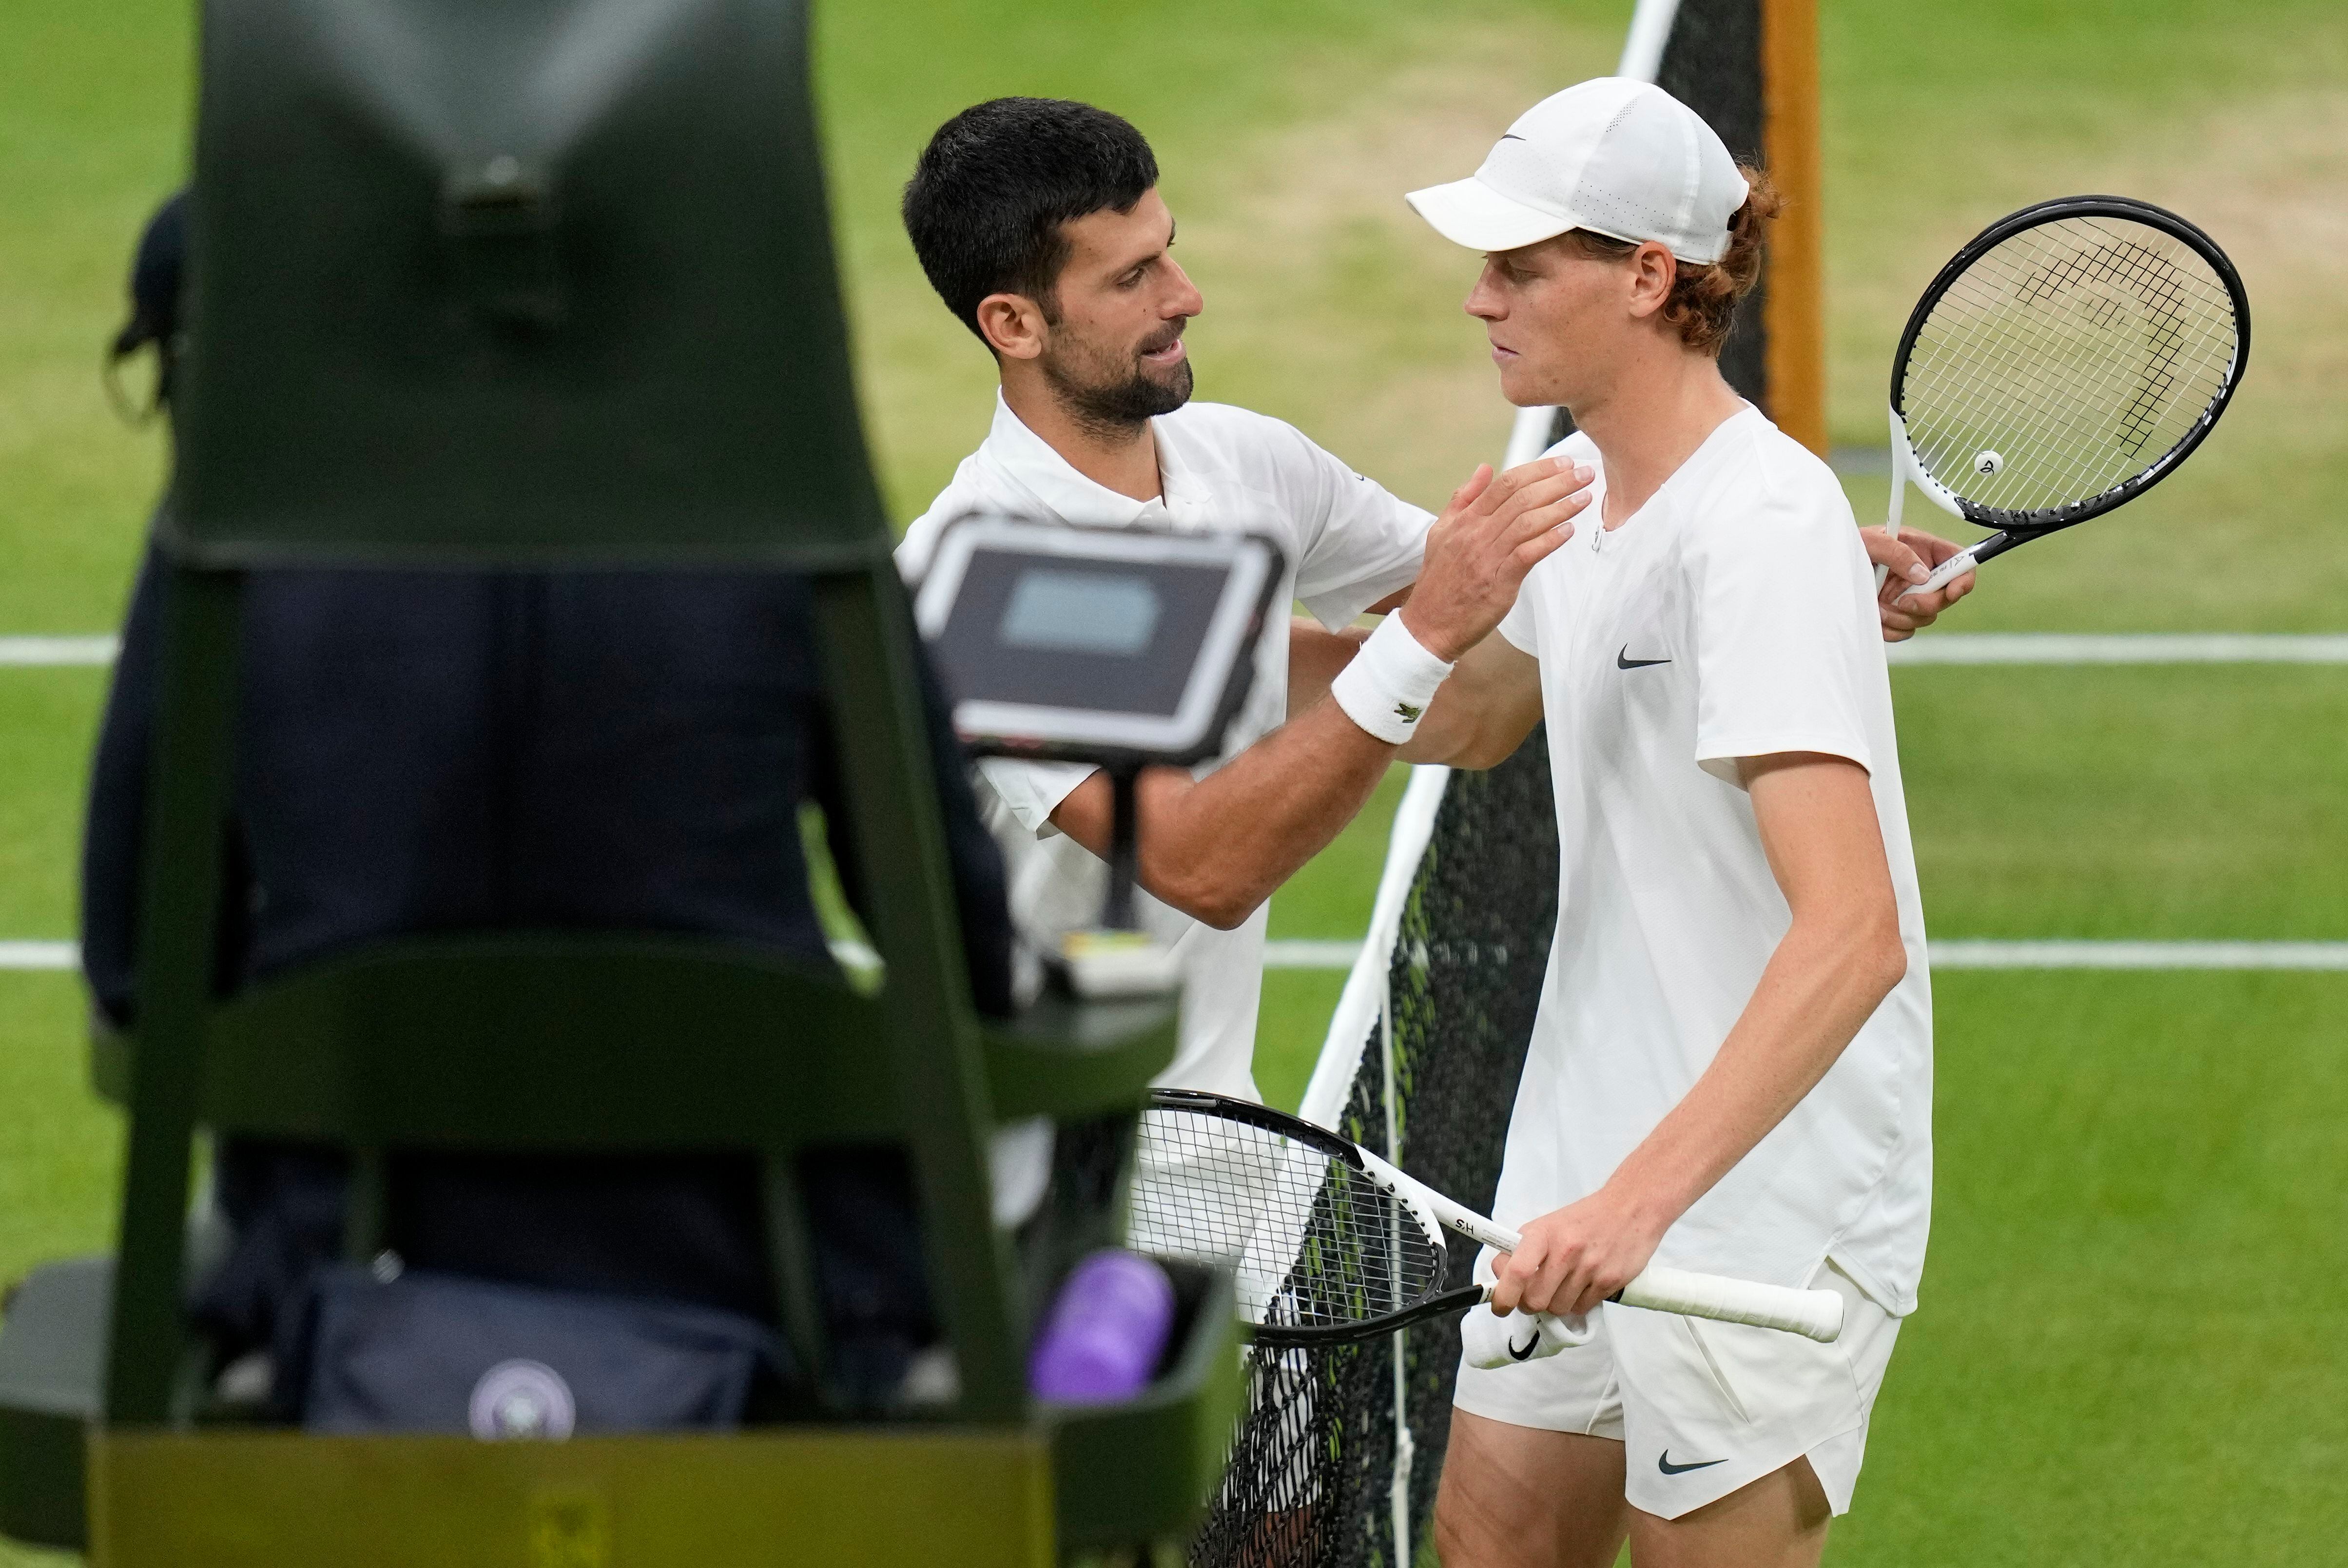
(1335, 1244)
(2067, 360)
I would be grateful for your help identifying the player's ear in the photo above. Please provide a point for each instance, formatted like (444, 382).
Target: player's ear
(1653, 269)
(1013, 325)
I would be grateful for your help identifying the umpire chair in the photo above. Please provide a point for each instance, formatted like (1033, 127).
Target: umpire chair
(538, 284)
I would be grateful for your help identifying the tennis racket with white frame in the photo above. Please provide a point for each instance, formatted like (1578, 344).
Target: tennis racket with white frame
(2067, 360)
(1335, 1244)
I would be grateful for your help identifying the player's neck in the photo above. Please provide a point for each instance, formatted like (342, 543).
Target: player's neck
(1121, 457)
(1651, 421)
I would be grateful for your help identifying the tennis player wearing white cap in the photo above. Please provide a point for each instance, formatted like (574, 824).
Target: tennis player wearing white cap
(1731, 1069)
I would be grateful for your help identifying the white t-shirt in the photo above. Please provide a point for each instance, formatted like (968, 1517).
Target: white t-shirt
(1349, 544)
(1732, 616)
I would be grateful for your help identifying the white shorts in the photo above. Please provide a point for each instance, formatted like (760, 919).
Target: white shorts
(1703, 1408)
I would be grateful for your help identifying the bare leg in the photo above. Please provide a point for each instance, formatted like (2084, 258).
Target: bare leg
(1518, 1497)
(1778, 1522)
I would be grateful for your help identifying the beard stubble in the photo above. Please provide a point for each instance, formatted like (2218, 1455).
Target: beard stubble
(1114, 395)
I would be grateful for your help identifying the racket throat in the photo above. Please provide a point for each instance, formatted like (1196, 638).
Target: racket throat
(1907, 468)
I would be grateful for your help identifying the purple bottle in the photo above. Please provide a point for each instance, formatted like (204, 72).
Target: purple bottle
(1106, 1331)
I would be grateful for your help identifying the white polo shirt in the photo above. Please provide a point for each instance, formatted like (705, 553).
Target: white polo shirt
(1349, 544)
(1731, 616)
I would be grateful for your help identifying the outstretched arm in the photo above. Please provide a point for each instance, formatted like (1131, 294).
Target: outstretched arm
(1315, 656)
(1483, 713)
(1837, 962)
(1215, 848)
(1464, 728)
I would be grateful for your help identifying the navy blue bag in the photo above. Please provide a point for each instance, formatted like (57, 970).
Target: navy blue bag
(444, 1353)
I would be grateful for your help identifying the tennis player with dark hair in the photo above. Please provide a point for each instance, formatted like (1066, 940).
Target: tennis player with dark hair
(1731, 1067)
(1040, 224)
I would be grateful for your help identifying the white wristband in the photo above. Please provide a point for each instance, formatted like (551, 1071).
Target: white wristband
(1387, 686)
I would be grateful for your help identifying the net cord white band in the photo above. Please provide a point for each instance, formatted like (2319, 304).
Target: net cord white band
(1359, 1004)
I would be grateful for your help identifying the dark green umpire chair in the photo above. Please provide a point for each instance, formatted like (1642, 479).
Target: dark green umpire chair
(526, 284)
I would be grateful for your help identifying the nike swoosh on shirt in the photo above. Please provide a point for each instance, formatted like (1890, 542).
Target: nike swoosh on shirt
(1532, 1343)
(1623, 661)
(1663, 1463)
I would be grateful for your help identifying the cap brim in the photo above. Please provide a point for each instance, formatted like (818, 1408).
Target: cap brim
(1471, 213)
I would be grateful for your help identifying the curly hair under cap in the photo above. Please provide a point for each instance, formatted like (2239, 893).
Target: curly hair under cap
(1703, 301)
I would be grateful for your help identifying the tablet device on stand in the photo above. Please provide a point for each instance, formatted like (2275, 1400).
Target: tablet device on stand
(1125, 649)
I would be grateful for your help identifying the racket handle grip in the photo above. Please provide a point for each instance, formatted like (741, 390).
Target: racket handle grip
(1813, 1314)
(1946, 573)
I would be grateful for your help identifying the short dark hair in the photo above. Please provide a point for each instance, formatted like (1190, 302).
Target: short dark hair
(986, 202)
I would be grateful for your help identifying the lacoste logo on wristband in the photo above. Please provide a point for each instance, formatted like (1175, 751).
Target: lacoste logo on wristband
(1407, 713)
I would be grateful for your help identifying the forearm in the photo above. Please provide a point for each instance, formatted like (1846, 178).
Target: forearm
(1483, 713)
(1825, 980)
(1216, 848)
(1315, 656)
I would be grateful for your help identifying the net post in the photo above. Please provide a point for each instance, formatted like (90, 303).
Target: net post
(1794, 308)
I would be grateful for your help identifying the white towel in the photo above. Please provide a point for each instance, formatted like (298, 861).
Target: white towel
(1491, 1340)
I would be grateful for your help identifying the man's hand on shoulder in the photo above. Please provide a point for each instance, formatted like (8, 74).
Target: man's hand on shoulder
(1908, 560)
(1496, 529)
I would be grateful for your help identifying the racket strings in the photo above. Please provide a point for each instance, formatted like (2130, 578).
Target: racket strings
(1316, 1243)
(2082, 351)
(2079, 415)
(2101, 341)
(2074, 412)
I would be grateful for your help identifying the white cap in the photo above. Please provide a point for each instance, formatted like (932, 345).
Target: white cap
(1616, 156)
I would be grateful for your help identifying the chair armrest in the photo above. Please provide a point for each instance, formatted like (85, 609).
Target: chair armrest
(1067, 1058)
(52, 1372)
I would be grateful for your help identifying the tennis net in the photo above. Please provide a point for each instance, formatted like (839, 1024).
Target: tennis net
(1322, 1472)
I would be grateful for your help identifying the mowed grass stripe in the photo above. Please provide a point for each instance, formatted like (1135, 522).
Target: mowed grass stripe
(2136, 804)
(2128, 1350)
(48, 728)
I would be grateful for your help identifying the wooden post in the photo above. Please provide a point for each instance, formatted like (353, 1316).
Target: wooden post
(1794, 311)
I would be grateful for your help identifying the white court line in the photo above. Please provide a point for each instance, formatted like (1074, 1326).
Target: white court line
(1931, 648)
(1961, 953)
(1295, 953)
(2130, 648)
(54, 652)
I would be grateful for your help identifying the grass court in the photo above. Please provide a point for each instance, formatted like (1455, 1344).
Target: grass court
(2129, 1351)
